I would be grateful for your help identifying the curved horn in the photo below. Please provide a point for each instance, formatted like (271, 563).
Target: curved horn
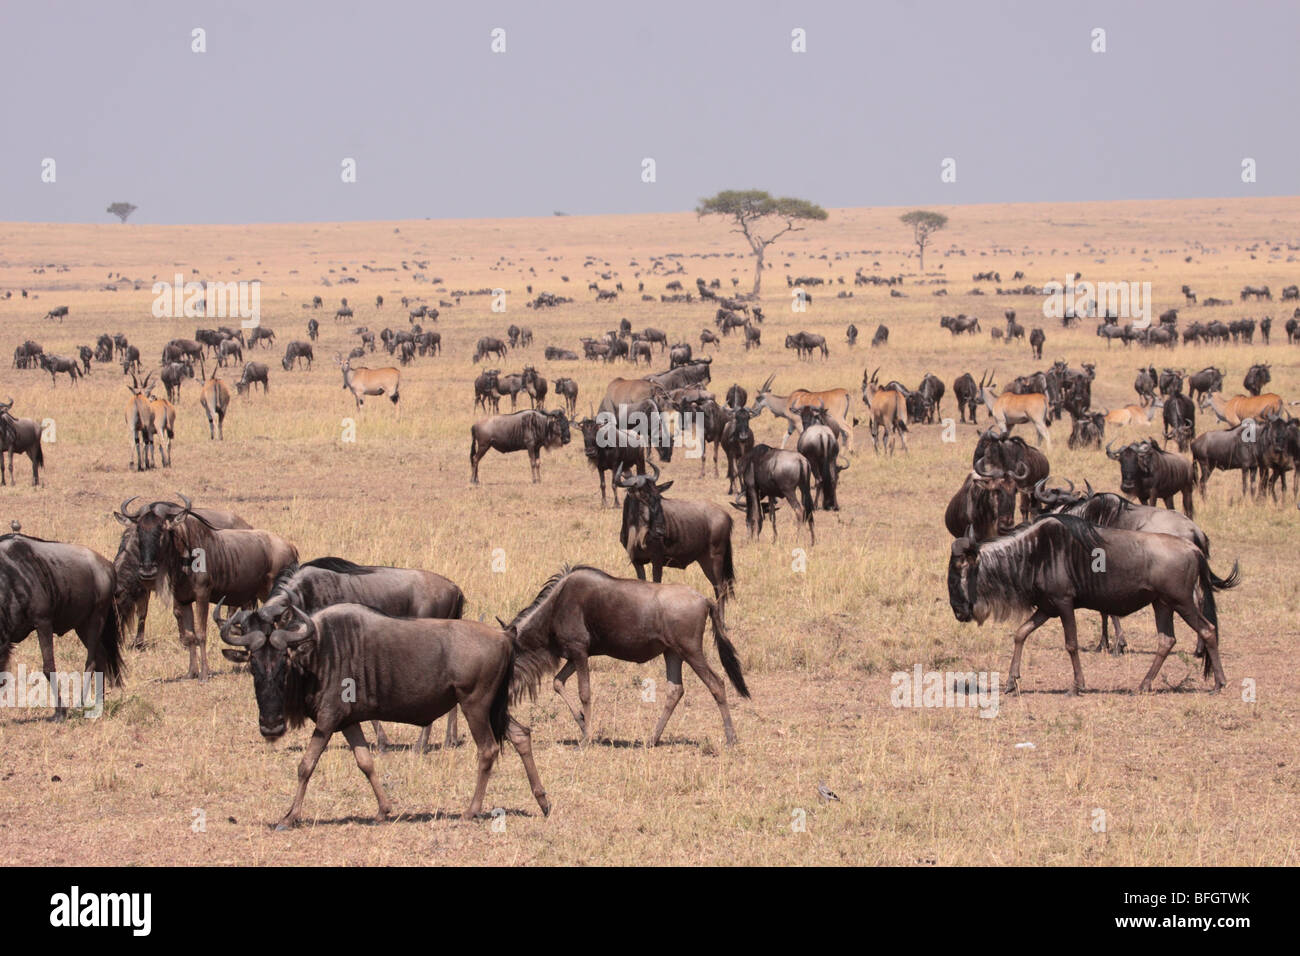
(216, 613)
(767, 386)
(1021, 472)
(126, 504)
(283, 639)
(979, 468)
(1071, 488)
(1041, 495)
(655, 479)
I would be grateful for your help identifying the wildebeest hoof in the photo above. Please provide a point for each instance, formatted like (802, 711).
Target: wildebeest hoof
(1144, 687)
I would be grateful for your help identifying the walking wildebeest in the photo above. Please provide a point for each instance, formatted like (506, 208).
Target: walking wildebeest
(52, 588)
(318, 584)
(817, 443)
(666, 532)
(489, 345)
(408, 671)
(527, 430)
(238, 566)
(54, 364)
(1049, 568)
(582, 612)
(773, 473)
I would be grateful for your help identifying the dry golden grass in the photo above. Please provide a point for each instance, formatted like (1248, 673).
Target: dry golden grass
(1183, 777)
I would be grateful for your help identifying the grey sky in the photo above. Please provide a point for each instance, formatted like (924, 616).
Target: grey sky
(255, 129)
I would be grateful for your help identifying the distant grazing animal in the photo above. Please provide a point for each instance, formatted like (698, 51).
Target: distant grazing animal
(254, 373)
(215, 399)
(297, 352)
(361, 382)
(23, 436)
(527, 430)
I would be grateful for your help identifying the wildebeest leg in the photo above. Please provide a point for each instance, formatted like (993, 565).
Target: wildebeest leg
(201, 636)
(563, 675)
(45, 636)
(141, 613)
(185, 624)
(1031, 625)
(535, 463)
(451, 738)
(315, 747)
(522, 740)
(381, 738)
(695, 657)
(1072, 646)
(1209, 638)
(1165, 625)
(584, 696)
(673, 668)
(366, 763)
(479, 728)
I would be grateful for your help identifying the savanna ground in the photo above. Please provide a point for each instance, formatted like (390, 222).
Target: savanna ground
(1183, 777)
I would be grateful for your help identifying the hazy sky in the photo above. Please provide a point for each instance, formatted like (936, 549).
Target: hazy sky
(256, 128)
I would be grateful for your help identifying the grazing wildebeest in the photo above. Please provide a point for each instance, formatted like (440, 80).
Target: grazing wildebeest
(959, 324)
(139, 419)
(527, 430)
(536, 387)
(59, 312)
(172, 375)
(297, 352)
(610, 448)
(131, 361)
(254, 372)
(1180, 420)
(985, 504)
(888, 407)
(104, 348)
(1256, 378)
(1036, 340)
(817, 443)
(768, 474)
(707, 337)
(489, 345)
(1205, 381)
(132, 595)
(567, 389)
(239, 566)
(666, 532)
(1088, 428)
(22, 436)
(215, 399)
(361, 381)
(1151, 474)
(27, 354)
(967, 394)
(403, 670)
(1227, 450)
(186, 349)
(318, 584)
(54, 364)
(805, 343)
(261, 334)
(52, 588)
(881, 337)
(1049, 568)
(737, 442)
(582, 612)
(485, 389)
(344, 312)
(313, 332)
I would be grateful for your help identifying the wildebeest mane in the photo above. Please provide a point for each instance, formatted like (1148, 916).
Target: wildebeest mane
(533, 657)
(340, 566)
(1010, 566)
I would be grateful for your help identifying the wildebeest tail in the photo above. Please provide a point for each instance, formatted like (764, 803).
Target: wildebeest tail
(499, 715)
(458, 609)
(473, 446)
(805, 494)
(727, 651)
(728, 587)
(110, 639)
(828, 482)
(38, 458)
(1209, 584)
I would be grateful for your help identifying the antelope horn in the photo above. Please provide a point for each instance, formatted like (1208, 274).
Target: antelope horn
(979, 467)
(1039, 493)
(1021, 472)
(1109, 453)
(216, 613)
(767, 386)
(126, 504)
(656, 468)
(283, 639)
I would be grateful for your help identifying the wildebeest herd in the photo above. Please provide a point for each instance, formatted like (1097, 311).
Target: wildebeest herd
(1023, 545)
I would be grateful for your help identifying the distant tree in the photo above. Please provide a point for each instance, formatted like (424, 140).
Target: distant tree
(122, 210)
(754, 209)
(923, 223)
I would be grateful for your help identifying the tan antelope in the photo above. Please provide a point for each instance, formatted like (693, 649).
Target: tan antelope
(838, 403)
(888, 407)
(1233, 411)
(139, 418)
(164, 424)
(371, 381)
(215, 400)
(1133, 415)
(1009, 410)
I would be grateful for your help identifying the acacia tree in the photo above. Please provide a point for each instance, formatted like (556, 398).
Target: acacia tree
(753, 210)
(923, 223)
(121, 210)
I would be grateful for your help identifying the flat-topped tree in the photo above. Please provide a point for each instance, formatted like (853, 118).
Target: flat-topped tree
(923, 223)
(121, 210)
(755, 212)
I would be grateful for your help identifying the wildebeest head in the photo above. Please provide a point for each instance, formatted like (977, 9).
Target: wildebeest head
(1256, 378)
(742, 433)
(1134, 464)
(994, 492)
(274, 659)
(963, 571)
(153, 526)
(646, 494)
(557, 428)
(1053, 499)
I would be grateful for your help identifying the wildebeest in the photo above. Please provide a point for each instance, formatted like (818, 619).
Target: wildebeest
(967, 394)
(567, 389)
(313, 332)
(323, 582)
(27, 354)
(1036, 340)
(666, 532)
(1278, 452)
(104, 348)
(1150, 474)
(851, 335)
(1086, 429)
(85, 353)
(527, 430)
(1256, 378)
(297, 352)
(229, 350)
(362, 381)
(238, 566)
(609, 448)
(254, 372)
(881, 336)
(1180, 420)
(172, 375)
(959, 324)
(985, 504)
(1008, 452)
(405, 670)
(805, 343)
(1205, 381)
(536, 387)
(54, 364)
(888, 407)
(262, 334)
(753, 336)
(215, 399)
(52, 588)
(582, 612)
(768, 474)
(1227, 449)
(22, 436)
(485, 389)
(489, 345)
(737, 396)
(931, 389)
(737, 441)
(817, 443)
(1145, 385)
(679, 354)
(511, 385)
(554, 354)
(1049, 568)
